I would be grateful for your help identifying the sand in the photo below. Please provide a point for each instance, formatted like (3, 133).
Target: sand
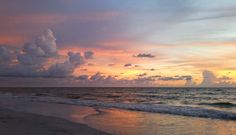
(19, 123)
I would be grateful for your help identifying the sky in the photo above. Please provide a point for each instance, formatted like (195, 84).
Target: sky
(117, 43)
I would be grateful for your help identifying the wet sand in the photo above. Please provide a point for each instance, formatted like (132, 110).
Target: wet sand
(19, 123)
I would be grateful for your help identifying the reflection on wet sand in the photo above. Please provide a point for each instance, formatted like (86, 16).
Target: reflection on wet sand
(138, 123)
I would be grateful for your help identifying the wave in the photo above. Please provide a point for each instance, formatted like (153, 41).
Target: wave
(220, 104)
(154, 108)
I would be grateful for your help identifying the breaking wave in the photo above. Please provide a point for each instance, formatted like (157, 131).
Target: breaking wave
(154, 108)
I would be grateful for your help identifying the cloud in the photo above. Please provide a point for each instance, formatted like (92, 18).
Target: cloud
(144, 55)
(128, 65)
(137, 66)
(61, 69)
(32, 60)
(33, 49)
(67, 68)
(152, 69)
(47, 42)
(27, 59)
(209, 79)
(76, 58)
(83, 77)
(98, 79)
(88, 55)
(37, 52)
(189, 82)
(142, 75)
(20, 70)
(97, 76)
(5, 55)
(175, 78)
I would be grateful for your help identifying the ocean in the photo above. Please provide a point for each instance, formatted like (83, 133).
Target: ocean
(196, 102)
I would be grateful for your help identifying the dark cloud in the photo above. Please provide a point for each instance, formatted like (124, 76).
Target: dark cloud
(128, 65)
(5, 55)
(225, 78)
(88, 54)
(99, 79)
(152, 69)
(175, 78)
(61, 69)
(83, 77)
(137, 66)
(142, 75)
(97, 76)
(20, 70)
(144, 55)
(76, 58)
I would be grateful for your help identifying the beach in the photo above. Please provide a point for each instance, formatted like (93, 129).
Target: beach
(20, 123)
(37, 118)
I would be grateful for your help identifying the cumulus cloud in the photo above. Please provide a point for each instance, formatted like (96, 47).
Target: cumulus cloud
(61, 69)
(47, 42)
(27, 59)
(144, 55)
(33, 57)
(33, 49)
(37, 52)
(67, 68)
(20, 70)
(209, 79)
(76, 58)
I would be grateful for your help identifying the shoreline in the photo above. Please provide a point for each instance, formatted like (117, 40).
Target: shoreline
(22, 123)
(114, 121)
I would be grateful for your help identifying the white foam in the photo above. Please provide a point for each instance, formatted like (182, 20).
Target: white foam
(155, 108)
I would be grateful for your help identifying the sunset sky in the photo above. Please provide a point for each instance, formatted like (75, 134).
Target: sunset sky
(117, 43)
